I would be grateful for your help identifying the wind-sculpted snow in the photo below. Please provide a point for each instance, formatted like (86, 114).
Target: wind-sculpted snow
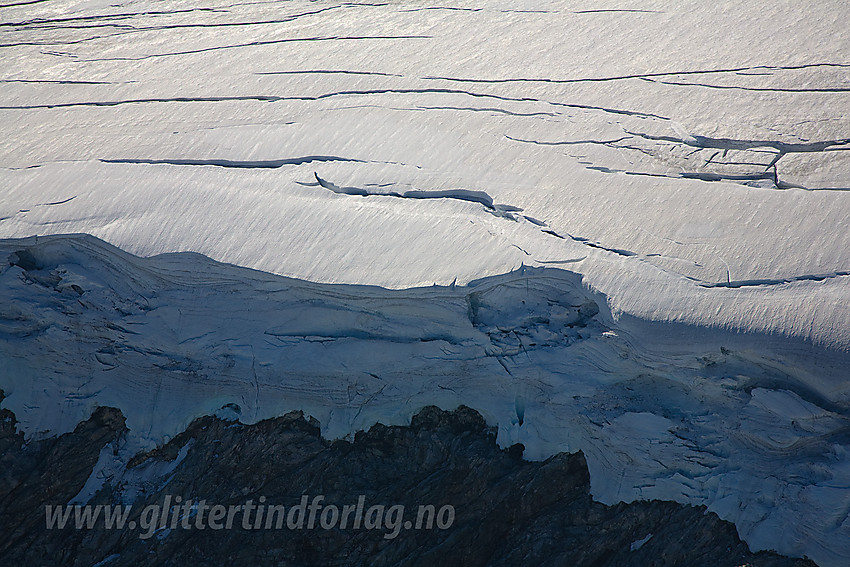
(661, 411)
(668, 229)
(687, 163)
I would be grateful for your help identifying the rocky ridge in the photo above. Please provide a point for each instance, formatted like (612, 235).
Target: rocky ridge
(507, 511)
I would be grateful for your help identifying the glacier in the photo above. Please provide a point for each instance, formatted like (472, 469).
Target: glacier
(661, 410)
(619, 227)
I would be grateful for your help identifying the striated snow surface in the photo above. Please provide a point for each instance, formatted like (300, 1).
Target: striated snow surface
(649, 139)
(636, 216)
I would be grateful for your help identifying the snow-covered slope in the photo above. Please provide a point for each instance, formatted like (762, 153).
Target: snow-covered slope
(687, 162)
(173, 126)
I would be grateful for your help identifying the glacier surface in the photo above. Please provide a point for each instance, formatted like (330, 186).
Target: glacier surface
(620, 227)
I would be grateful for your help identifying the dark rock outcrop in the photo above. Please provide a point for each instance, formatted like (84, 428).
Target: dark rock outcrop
(506, 511)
